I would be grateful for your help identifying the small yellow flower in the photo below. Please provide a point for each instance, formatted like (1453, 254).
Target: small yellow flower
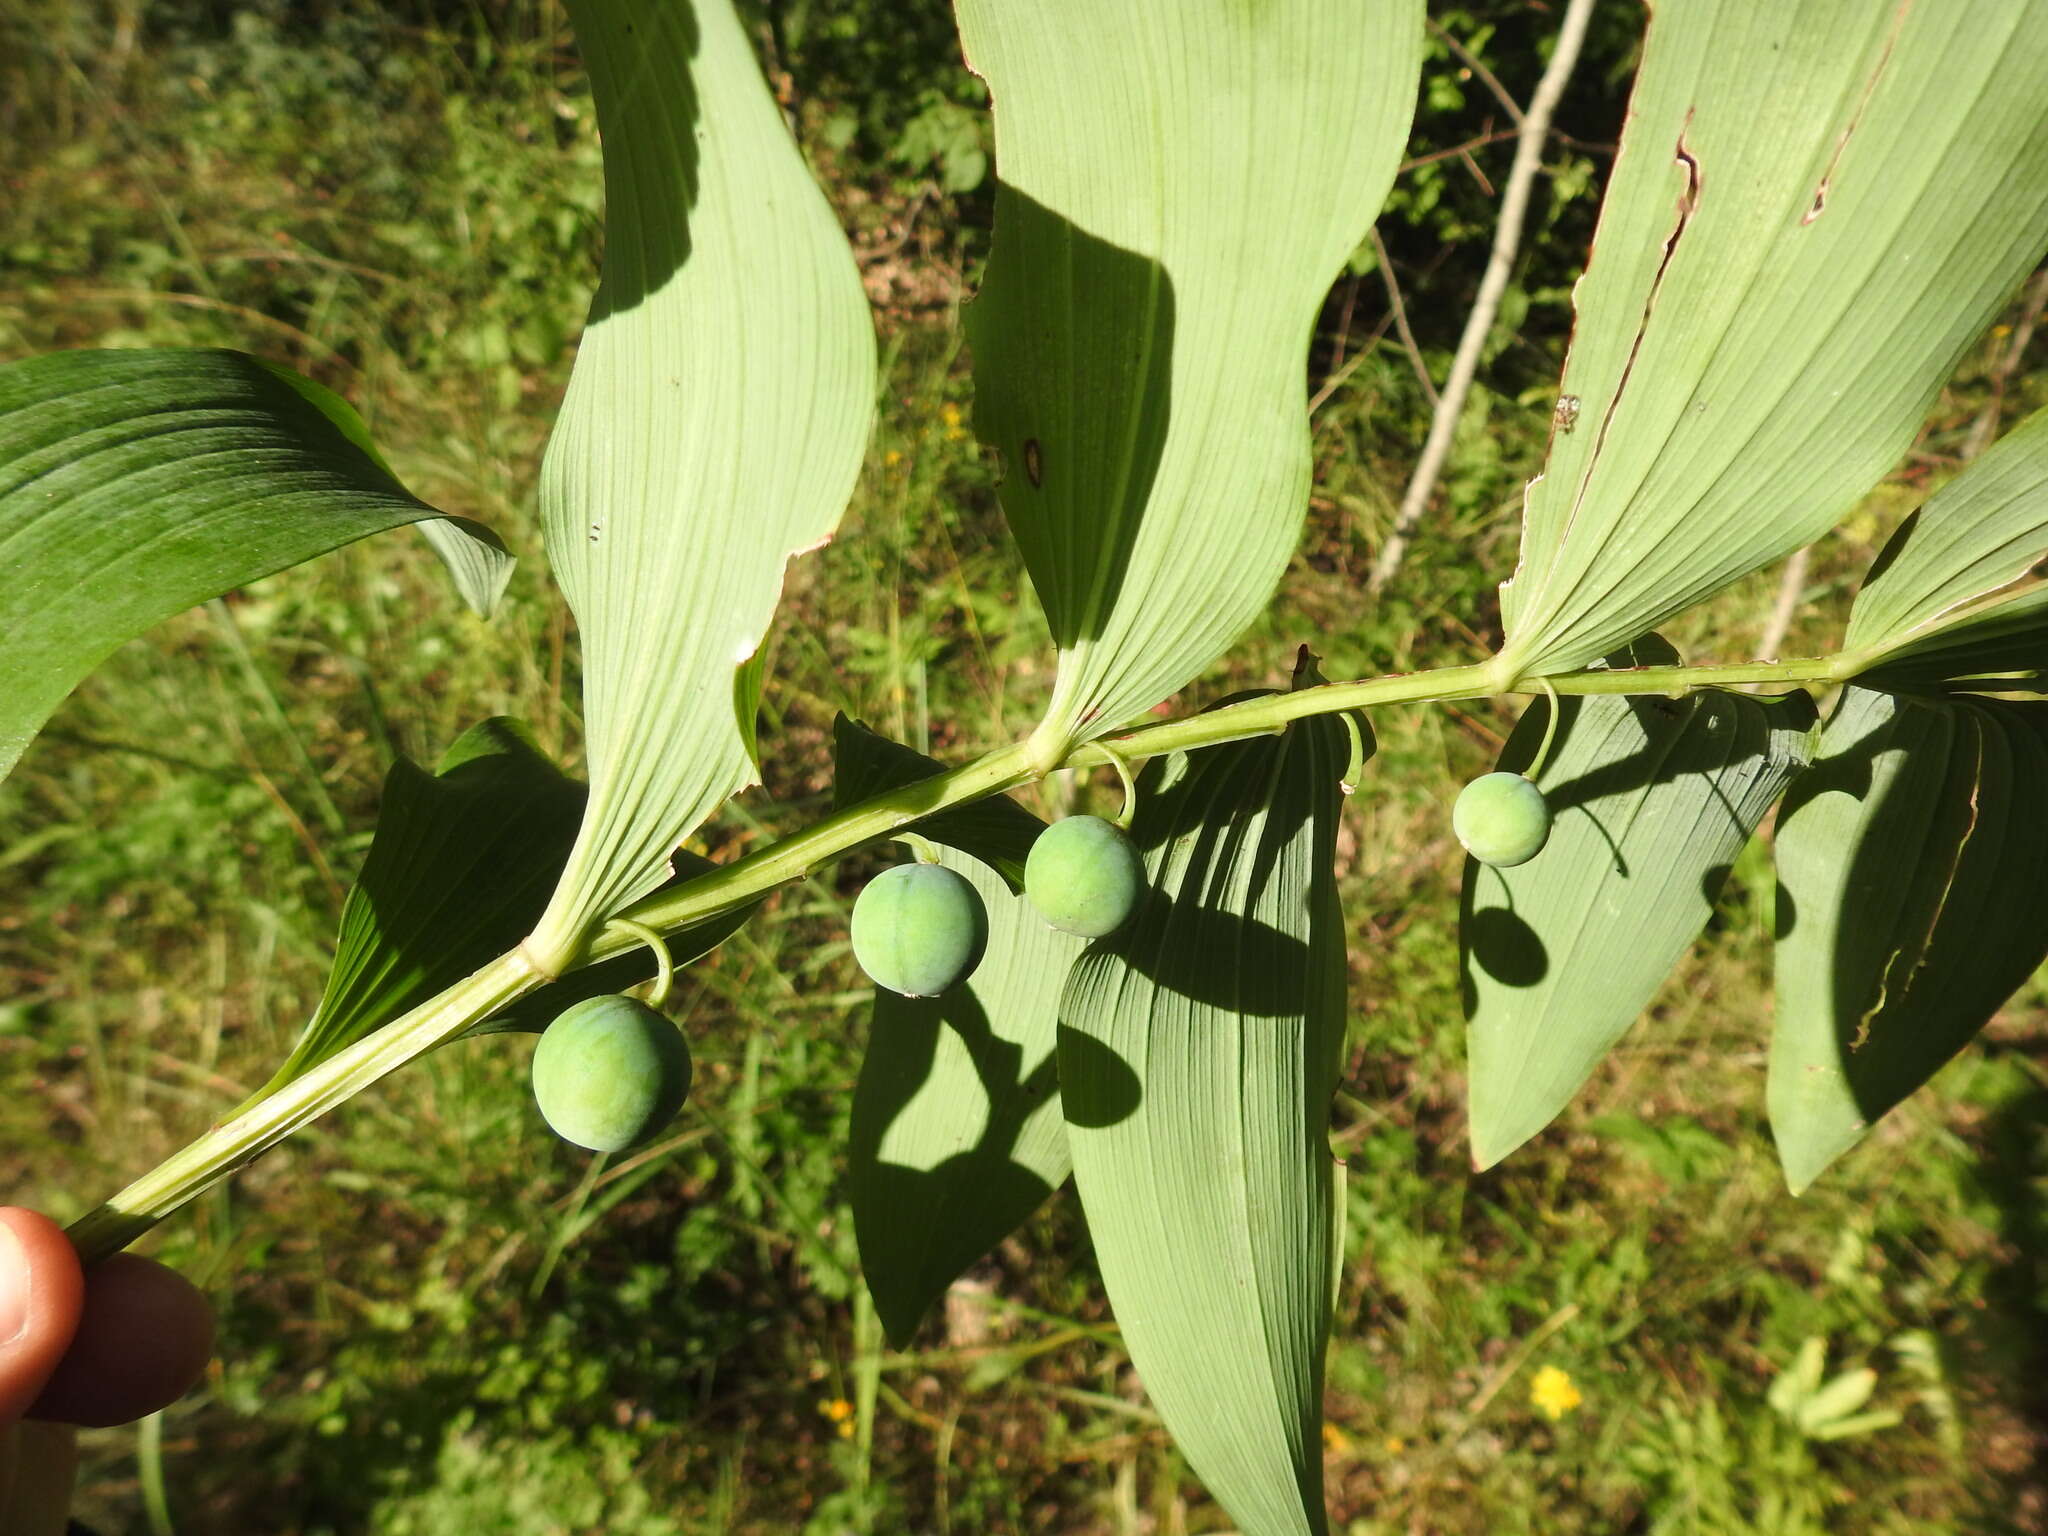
(1335, 1441)
(1554, 1392)
(892, 457)
(1394, 1445)
(949, 413)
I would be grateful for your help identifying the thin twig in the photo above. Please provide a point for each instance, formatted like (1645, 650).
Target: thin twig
(1508, 1368)
(1986, 425)
(1486, 76)
(1507, 239)
(1478, 141)
(1779, 624)
(1400, 314)
(1336, 380)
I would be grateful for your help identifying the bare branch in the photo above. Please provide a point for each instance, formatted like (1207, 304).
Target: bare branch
(1487, 76)
(1507, 238)
(1790, 585)
(1400, 313)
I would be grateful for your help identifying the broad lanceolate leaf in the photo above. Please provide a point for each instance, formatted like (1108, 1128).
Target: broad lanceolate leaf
(460, 867)
(713, 427)
(461, 864)
(1957, 595)
(1818, 205)
(957, 1135)
(134, 484)
(997, 831)
(1911, 862)
(1180, 181)
(1198, 1053)
(1651, 798)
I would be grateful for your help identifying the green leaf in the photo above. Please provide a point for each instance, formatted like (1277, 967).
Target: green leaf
(1911, 862)
(997, 831)
(461, 864)
(134, 484)
(713, 428)
(1816, 210)
(478, 565)
(1180, 181)
(957, 1135)
(1198, 1053)
(460, 867)
(1652, 799)
(1957, 595)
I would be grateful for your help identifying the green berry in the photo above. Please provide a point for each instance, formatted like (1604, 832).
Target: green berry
(610, 1073)
(918, 929)
(1084, 876)
(1502, 819)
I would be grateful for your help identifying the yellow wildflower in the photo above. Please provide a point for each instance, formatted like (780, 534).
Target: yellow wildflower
(949, 413)
(840, 1412)
(1335, 1441)
(1554, 1392)
(892, 457)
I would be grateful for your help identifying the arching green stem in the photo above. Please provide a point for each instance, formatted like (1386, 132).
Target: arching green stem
(261, 1125)
(1535, 768)
(664, 968)
(1123, 772)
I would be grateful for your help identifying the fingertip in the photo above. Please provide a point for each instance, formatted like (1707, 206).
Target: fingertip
(41, 1296)
(145, 1336)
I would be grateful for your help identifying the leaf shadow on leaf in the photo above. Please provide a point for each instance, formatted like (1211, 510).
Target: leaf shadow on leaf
(666, 160)
(1955, 845)
(893, 1196)
(1784, 912)
(1103, 1089)
(1073, 340)
(1183, 943)
(1651, 765)
(1507, 948)
(1850, 772)
(1502, 944)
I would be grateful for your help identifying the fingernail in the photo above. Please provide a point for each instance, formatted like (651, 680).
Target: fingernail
(13, 1286)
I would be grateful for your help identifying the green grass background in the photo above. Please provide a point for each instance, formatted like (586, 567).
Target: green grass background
(432, 1322)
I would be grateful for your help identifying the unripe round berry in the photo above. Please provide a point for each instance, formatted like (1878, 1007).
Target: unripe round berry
(610, 1073)
(1084, 876)
(919, 929)
(1502, 819)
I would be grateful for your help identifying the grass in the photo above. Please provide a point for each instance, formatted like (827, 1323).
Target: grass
(435, 1321)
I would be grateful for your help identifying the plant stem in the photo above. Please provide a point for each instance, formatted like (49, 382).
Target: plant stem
(239, 1141)
(261, 1125)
